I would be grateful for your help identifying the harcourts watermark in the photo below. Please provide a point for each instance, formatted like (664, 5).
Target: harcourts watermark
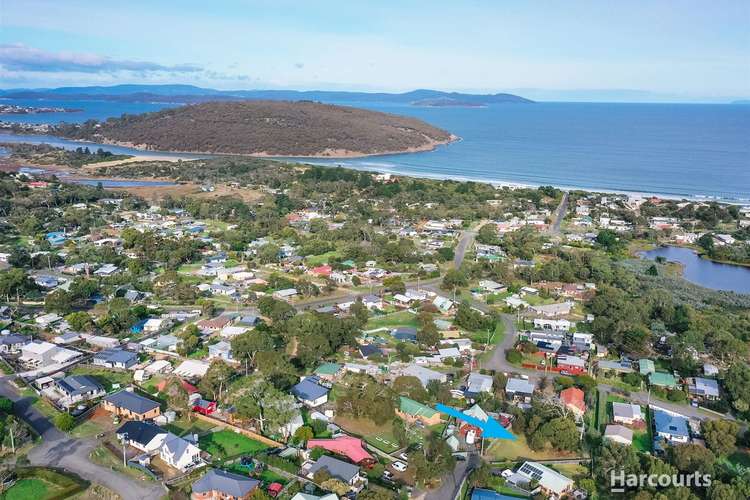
(619, 482)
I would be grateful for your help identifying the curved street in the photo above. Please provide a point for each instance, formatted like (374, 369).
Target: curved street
(58, 449)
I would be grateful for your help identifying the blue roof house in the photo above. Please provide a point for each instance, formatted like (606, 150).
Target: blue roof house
(671, 427)
(310, 392)
(56, 238)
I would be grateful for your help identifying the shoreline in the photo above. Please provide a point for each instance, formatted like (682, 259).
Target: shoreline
(336, 154)
(158, 155)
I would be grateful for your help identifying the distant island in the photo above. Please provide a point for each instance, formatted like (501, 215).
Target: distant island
(264, 128)
(188, 94)
(447, 102)
(13, 109)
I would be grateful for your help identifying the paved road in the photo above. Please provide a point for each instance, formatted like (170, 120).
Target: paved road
(57, 449)
(464, 244)
(498, 362)
(559, 215)
(451, 483)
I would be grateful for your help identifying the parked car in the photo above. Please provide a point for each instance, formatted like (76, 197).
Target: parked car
(399, 466)
(403, 456)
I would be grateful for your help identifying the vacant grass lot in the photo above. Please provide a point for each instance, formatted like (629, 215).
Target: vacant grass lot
(393, 320)
(225, 444)
(504, 449)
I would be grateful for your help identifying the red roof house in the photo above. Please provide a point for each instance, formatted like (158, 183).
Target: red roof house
(324, 270)
(204, 407)
(572, 397)
(347, 446)
(274, 489)
(189, 388)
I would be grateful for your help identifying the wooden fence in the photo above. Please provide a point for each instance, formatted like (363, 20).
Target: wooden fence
(244, 432)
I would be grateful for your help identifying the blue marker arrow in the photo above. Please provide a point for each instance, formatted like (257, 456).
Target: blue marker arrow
(490, 429)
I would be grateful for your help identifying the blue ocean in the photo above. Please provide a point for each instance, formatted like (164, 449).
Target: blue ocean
(690, 150)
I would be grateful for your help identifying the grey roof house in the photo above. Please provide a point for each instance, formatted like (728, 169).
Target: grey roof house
(339, 469)
(218, 483)
(115, 358)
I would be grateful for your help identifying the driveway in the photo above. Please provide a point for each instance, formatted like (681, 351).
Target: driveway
(451, 483)
(58, 449)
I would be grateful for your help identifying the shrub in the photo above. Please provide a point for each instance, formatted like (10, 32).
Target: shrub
(513, 356)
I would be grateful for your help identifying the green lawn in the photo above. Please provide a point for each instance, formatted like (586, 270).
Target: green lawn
(226, 443)
(39, 483)
(504, 449)
(182, 426)
(106, 377)
(26, 489)
(394, 320)
(319, 260)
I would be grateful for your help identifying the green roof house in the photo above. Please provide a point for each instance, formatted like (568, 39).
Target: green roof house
(646, 366)
(328, 370)
(411, 411)
(662, 379)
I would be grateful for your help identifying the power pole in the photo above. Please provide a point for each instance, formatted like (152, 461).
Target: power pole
(124, 461)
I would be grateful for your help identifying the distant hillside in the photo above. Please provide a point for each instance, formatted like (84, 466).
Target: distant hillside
(192, 94)
(265, 128)
(447, 102)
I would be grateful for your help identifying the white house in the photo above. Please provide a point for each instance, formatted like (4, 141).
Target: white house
(627, 413)
(618, 434)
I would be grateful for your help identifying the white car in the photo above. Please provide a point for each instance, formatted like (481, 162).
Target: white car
(399, 466)
(404, 457)
(388, 475)
(471, 436)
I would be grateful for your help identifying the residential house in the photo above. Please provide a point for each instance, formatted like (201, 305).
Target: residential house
(412, 411)
(336, 468)
(571, 364)
(76, 388)
(519, 390)
(443, 304)
(153, 325)
(130, 405)
(221, 350)
(11, 343)
(646, 366)
(106, 270)
(549, 481)
(618, 434)
(214, 324)
(347, 446)
(405, 334)
(561, 325)
(115, 358)
(553, 310)
(477, 383)
(627, 413)
(286, 294)
(663, 379)
(573, 399)
(425, 375)
(368, 350)
(192, 369)
(669, 426)
(152, 439)
(310, 392)
(621, 366)
(483, 494)
(218, 484)
(328, 371)
(43, 354)
(703, 388)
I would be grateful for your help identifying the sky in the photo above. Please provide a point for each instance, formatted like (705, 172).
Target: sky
(689, 50)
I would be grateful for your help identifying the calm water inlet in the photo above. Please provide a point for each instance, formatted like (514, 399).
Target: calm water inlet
(704, 272)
